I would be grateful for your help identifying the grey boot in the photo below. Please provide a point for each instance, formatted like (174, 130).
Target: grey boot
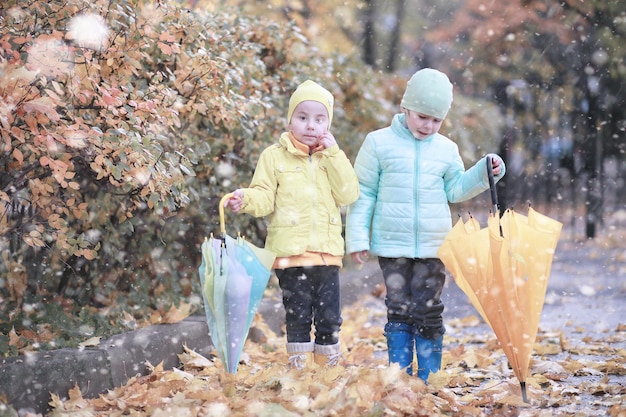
(299, 354)
(327, 354)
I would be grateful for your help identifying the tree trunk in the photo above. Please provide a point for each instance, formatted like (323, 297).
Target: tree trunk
(369, 34)
(592, 165)
(394, 42)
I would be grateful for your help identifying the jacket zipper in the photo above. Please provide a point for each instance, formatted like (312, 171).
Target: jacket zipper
(416, 199)
(313, 236)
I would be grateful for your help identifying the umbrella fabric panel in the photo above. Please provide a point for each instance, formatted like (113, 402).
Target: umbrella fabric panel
(236, 298)
(465, 255)
(209, 272)
(522, 259)
(257, 263)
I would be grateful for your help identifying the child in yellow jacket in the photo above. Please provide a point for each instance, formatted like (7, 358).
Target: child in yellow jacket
(300, 183)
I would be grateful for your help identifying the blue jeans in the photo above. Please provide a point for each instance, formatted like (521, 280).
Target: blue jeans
(311, 296)
(414, 288)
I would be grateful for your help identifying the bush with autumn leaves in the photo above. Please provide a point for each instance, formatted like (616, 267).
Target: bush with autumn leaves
(122, 124)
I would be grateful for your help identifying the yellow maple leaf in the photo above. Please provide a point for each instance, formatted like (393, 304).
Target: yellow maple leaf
(176, 314)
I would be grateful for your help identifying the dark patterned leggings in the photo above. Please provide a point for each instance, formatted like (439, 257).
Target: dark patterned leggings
(414, 288)
(311, 296)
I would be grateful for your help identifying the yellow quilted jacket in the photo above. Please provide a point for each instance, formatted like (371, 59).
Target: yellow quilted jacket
(301, 195)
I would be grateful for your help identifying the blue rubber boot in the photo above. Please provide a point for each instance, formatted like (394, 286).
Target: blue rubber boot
(400, 344)
(428, 355)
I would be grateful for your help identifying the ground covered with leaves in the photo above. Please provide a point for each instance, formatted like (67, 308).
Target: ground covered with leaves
(568, 379)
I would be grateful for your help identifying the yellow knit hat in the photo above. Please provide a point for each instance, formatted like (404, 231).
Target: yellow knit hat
(310, 90)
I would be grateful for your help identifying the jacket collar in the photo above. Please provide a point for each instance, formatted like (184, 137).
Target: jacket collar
(398, 125)
(294, 146)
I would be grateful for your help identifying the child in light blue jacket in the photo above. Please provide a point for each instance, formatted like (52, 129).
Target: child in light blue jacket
(408, 174)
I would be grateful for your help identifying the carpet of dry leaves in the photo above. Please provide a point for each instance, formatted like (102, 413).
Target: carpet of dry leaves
(568, 379)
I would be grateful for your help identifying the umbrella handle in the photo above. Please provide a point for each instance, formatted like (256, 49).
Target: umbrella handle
(492, 186)
(221, 210)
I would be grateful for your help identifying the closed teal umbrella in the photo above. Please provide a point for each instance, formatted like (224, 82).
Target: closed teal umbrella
(234, 274)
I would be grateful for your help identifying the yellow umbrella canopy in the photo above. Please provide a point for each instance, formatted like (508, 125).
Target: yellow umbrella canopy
(504, 271)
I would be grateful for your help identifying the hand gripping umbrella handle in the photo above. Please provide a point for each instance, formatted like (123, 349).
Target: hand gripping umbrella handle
(492, 185)
(221, 210)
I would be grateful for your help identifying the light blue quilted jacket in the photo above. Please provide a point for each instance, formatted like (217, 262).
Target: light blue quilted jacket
(405, 189)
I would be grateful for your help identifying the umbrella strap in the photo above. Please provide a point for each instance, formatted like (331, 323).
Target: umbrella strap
(221, 211)
(492, 185)
(494, 193)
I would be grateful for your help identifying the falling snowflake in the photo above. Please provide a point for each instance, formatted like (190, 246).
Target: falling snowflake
(89, 31)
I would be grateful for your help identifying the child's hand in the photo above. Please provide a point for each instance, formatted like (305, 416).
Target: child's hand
(360, 257)
(236, 201)
(327, 140)
(496, 164)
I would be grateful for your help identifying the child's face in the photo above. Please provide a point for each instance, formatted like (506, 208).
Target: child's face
(422, 125)
(309, 122)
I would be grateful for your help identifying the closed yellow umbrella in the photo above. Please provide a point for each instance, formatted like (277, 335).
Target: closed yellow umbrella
(504, 271)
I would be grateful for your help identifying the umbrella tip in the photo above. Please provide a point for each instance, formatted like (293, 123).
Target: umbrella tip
(524, 394)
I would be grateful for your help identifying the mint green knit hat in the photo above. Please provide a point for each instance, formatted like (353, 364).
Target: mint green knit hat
(428, 92)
